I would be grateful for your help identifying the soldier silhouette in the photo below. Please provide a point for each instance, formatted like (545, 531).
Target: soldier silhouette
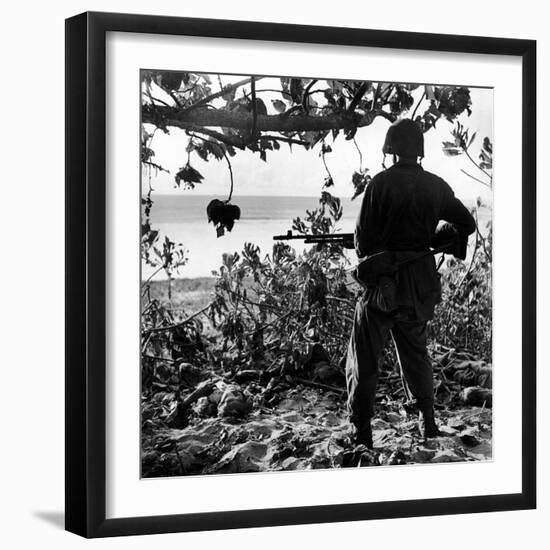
(401, 209)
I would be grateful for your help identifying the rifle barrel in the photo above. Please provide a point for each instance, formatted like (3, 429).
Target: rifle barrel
(325, 237)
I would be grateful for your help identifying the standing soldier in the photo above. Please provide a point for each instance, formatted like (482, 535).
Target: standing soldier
(401, 209)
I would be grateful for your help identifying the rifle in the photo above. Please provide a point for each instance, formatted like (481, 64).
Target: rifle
(340, 238)
(368, 270)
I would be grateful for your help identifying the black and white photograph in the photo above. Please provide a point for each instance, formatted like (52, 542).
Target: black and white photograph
(316, 273)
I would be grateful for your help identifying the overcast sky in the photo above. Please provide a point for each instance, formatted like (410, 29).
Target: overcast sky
(301, 173)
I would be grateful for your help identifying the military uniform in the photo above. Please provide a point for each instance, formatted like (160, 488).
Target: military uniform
(401, 209)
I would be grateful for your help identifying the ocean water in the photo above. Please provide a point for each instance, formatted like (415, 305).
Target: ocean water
(183, 219)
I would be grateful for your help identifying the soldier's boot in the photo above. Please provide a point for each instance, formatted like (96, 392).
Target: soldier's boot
(363, 435)
(428, 427)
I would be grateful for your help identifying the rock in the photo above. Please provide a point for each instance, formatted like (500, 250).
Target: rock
(233, 402)
(477, 396)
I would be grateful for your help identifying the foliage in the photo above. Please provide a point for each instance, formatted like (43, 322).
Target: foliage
(463, 319)
(270, 311)
(444, 101)
(461, 145)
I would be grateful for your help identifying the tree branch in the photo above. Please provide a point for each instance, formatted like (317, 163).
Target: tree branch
(153, 99)
(155, 166)
(228, 165)
(360, 155)
(476, 179)
(176, 100)
(230, 175)
(477, 165)
(198, 119)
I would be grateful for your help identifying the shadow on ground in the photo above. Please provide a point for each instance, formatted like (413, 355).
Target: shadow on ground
(57, 519)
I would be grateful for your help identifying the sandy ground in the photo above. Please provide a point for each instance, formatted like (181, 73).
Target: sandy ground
(307, 429)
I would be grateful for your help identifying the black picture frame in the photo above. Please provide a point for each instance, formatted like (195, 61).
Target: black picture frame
(86, 284)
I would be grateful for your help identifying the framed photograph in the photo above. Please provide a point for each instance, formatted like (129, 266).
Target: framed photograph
(300, 274)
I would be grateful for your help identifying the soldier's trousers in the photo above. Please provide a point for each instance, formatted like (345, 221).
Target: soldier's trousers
(371, 330)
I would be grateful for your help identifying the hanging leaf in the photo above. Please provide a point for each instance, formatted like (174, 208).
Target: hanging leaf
(223, 215)
(189, 176)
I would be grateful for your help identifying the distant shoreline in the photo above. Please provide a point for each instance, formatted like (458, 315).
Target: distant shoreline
(188, 293)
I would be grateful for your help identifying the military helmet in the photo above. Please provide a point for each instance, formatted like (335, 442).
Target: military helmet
(404, 138)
